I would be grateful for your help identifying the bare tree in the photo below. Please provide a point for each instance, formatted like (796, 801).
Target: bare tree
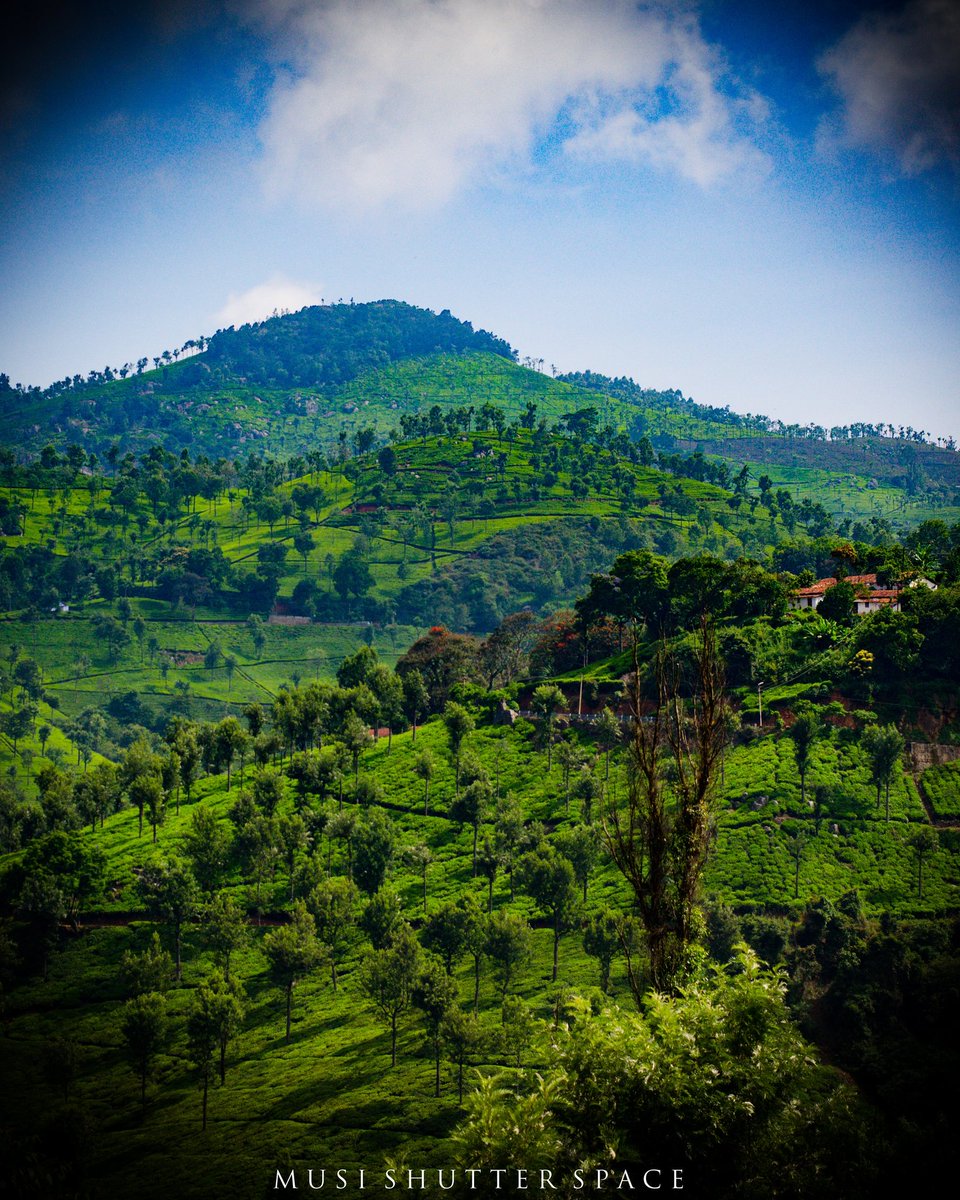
(659, 835)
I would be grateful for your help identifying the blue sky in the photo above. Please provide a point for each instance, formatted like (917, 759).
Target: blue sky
(756, 204)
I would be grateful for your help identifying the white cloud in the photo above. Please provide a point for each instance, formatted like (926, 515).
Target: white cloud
(706, 134)
(898, 81)
(277, 294)
(409, 101)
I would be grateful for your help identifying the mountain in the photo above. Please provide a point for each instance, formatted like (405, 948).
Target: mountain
(314, 379)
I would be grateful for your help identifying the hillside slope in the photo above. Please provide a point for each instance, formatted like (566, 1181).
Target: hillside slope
(313, 380)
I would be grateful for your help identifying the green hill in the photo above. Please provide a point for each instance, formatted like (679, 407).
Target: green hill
(314, 379)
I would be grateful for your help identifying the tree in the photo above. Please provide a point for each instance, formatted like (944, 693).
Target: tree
(804, 732)
(358, 668)
(387, 460)
(292, 952)
(303, 544)
(507, 944)
(144, 1031)
(461, 1034)
(267, 791)
(547, 701)
(895, 641)
(839, 603)
(660, 836)
(17, 724)
(293, 837)
(489, 861)
(333, 905)
(510, 836)
(28, 676)
(113, 634)
(256, 844)
(458, 723)
(258, 636)
(387, 686)
(635, 592)
(342, 827)
(922, 841)
(75, 867)
(169, 891)
(608, 733)
(352, 576)
(374, 845)
(471, 807)
(381, 918)
(387, 979)
(216, 1014)
(227, 1007)
(41, 901)
(212, 656)
(140, 632)
(579, 846)
(446, 933)
(416, 699)
(201, 1041)
(797, 849)
(140, 775)
(601, 940)
(717, 1075)
(424, 768)
(434, 994)
(505, 654)
(548, 877)
(418, 857)
(356, 738)
(883, 746)
(146, 792)
(207, 846)
(148, 971)
(181, 736)
(443, 659)
(228, 738)
(225, 928)
(517, 1028)
(570, 757)
(587, 790)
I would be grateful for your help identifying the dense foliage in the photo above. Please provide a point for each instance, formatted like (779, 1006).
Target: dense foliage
(328, 345)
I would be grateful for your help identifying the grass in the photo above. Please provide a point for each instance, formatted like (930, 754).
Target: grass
(93, 679)
(855, 845)
(942, 787)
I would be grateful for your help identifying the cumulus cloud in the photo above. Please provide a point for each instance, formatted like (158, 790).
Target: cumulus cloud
(409, 101)
(277, 294)
(899, 85)
(689, 126)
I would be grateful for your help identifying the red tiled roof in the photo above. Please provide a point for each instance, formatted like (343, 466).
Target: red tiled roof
(821, 586)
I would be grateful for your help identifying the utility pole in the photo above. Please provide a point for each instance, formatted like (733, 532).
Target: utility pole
(760, 702)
